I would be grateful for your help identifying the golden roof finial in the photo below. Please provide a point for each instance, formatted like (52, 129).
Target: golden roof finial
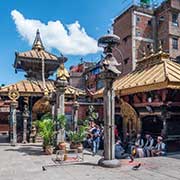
(37, 42)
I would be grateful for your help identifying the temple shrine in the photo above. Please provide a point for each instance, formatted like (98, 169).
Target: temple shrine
(26, 98)
(148, 99)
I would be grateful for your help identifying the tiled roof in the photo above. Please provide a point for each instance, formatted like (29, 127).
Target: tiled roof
(38, 51)
(35, 87)
(158, 73)
(37, 54)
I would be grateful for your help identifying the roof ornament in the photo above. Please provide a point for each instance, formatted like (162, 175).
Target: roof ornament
(108, 42)
(38, 42)
(13, 94)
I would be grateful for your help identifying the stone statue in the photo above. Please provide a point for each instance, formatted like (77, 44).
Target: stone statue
(62, 73)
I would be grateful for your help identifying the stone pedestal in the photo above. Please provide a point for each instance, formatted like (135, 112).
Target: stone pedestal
(13, 135)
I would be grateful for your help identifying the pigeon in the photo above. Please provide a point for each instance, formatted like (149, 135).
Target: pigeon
(132, 159)
(43, 168)
(136, 167)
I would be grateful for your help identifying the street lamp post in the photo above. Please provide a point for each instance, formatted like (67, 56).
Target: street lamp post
(108, 75)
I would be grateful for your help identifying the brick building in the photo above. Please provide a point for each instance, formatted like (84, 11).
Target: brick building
(91, 76)
(76, 74)
(141, 27)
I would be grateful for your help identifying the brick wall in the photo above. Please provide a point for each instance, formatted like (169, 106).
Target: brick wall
(175, 4)
(83, 108)
(77, 80)
(123, 28)
(162, 19)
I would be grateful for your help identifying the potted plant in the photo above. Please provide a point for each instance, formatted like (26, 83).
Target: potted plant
(46, 131)
(61, 124)
(77, 137)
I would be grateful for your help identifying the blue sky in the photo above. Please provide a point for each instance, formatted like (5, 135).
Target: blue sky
(95, 16)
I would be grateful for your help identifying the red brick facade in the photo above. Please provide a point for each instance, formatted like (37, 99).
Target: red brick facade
(139, 27)
(83, 108)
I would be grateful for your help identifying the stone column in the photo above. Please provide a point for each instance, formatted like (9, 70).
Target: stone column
(59, 109)
(75, 115)
(13, 137)
(60, 91)
(109, 72)
(25, 119)
(109, 139)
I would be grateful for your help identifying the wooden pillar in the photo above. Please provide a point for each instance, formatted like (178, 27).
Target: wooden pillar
(164, 117)
(164, 130)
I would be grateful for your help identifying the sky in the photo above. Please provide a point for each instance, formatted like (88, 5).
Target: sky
(70, 27)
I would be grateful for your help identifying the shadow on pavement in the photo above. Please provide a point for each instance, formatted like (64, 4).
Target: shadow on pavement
(70, 164)
(175, 155)
(33, 150)
(88, 151)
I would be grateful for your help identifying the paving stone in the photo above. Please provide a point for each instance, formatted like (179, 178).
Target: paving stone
(25, 162)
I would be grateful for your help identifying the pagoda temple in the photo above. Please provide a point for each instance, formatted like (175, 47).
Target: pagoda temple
(38, 65)
(148, 99)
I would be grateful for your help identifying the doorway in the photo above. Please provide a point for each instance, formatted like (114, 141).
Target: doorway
(152, 125)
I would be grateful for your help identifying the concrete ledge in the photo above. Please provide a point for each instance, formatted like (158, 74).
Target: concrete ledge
(109, 163)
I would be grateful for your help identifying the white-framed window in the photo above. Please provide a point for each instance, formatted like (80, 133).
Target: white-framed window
(138, 33)
(138, 19)
(175, 43)
(175, 19)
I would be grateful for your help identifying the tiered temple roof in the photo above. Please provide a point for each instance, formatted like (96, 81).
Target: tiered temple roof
(31, 61)
(30, 87)
(154, 72)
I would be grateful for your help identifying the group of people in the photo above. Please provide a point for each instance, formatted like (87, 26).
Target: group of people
(140, 147)
(149, 147)
(137, 146)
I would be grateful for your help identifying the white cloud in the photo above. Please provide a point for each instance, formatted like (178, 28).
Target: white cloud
(69, 39)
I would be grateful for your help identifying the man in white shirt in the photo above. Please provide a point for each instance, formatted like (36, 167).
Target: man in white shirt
(160, 148)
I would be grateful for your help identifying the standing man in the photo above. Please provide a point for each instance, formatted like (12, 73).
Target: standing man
(95, 139)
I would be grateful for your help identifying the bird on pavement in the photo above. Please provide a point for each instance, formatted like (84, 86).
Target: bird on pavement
(136, 167)
(43, 168)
